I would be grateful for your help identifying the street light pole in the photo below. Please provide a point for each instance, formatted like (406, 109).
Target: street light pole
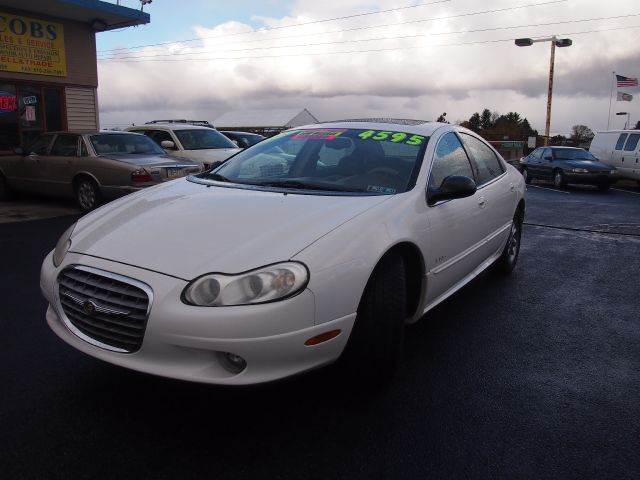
(555, 42)
(552, 67)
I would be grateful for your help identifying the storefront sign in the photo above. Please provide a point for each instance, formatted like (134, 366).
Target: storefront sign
(29, 45)
(8, 102)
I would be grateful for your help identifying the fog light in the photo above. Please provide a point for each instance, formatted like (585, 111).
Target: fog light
(232, 362)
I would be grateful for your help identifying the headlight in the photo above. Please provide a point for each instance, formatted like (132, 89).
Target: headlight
(580, 170)
(62, 247)
(266, 284)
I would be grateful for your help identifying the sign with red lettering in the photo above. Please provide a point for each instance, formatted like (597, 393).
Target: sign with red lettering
(8, 102)
(30, 45)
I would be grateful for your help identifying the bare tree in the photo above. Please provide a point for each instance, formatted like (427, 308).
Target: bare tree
(581, 134)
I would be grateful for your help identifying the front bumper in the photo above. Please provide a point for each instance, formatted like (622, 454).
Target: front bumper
(186, 342)
(591, 178)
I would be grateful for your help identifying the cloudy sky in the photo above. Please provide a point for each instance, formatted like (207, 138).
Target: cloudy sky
(452, 58)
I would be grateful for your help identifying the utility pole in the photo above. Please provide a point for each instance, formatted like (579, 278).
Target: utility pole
(555, 42)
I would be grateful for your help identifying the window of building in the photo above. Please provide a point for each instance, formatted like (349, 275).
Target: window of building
(27, 111)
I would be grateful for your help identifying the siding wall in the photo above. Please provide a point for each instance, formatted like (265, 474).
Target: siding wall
(82, 109)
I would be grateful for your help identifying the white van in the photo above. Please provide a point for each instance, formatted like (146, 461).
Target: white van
(620, 149)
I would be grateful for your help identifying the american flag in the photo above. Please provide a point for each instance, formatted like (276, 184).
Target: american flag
(626, 81)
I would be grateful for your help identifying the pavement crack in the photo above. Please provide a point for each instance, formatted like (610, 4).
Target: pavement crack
(586, 230)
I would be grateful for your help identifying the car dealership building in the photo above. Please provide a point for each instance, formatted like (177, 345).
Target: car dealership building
(48, 64)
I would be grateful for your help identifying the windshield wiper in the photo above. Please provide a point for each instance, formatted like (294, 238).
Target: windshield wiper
(218, 177)
(307, 186)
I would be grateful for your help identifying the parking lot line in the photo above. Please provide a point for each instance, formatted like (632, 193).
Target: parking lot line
(550, 189)
(625, 191)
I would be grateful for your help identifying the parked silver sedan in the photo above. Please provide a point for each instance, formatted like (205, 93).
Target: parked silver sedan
(90, 167)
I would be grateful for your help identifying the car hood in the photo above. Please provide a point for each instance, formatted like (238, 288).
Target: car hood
(186, 229)
(158, 160)
(593, 165)
(208, 155)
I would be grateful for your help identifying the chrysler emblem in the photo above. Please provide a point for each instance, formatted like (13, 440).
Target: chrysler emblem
(89, 308)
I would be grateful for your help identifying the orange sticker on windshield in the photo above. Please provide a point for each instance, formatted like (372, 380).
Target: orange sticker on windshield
(319, 134)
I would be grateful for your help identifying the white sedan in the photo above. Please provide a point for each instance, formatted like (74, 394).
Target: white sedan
(316, 244)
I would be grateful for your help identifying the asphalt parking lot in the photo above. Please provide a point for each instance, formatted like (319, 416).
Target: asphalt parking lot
(533, 376)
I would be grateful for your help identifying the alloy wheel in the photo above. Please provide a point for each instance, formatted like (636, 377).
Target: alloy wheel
(87, 195)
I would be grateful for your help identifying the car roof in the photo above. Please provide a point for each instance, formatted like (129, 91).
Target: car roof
(238, 132)
(418, 127)
(564, 148)
(170, 126)
(94, 132)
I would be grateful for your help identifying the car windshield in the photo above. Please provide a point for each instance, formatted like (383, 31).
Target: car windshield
(344, 160)
(202, 139)
(570, 154)
(124, 143)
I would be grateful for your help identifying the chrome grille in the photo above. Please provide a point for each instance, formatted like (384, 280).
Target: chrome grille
(107, 310)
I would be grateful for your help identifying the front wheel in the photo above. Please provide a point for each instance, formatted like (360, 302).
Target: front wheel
(374, 349)
(558, 179)
(87, 195)
(506, 263)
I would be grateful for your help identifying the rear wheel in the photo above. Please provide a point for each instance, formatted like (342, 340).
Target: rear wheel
(558, 179)
(374, 349)
(527, 176)
(506, 263)
(87, 194)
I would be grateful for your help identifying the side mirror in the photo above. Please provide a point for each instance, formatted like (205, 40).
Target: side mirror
(168, 145)
(452, 187)
(19, 151)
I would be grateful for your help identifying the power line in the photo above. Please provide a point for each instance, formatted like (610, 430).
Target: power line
(402, 37)
(280, 27)
(477, 42)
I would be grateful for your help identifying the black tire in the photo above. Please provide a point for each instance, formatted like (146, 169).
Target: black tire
(527, 177)
(5, 191)
(374, 350)
(558, 179)
(87, 194)
(604, 188)
(507, 261)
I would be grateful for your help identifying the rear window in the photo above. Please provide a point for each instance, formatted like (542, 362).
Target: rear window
(124, 143)
(202, 139)
(349, 160)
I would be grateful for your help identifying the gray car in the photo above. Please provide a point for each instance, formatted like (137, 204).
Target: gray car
(90, 167)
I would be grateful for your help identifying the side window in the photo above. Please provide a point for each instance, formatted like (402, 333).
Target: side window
(547, 153)
(632, 142)
(621, 140)
(449, 159)
(41, 145)
(65, 146)
(537, 153)
(83, 149)
(487, 164)
(159, 136)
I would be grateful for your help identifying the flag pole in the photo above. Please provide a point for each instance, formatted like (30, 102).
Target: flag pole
(613, 81)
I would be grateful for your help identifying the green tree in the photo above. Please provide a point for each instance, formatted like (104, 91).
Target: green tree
(474, 122)
(581, 134)
(486, 121)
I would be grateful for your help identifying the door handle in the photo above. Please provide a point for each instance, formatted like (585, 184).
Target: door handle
(482, 202)
(512, 187)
